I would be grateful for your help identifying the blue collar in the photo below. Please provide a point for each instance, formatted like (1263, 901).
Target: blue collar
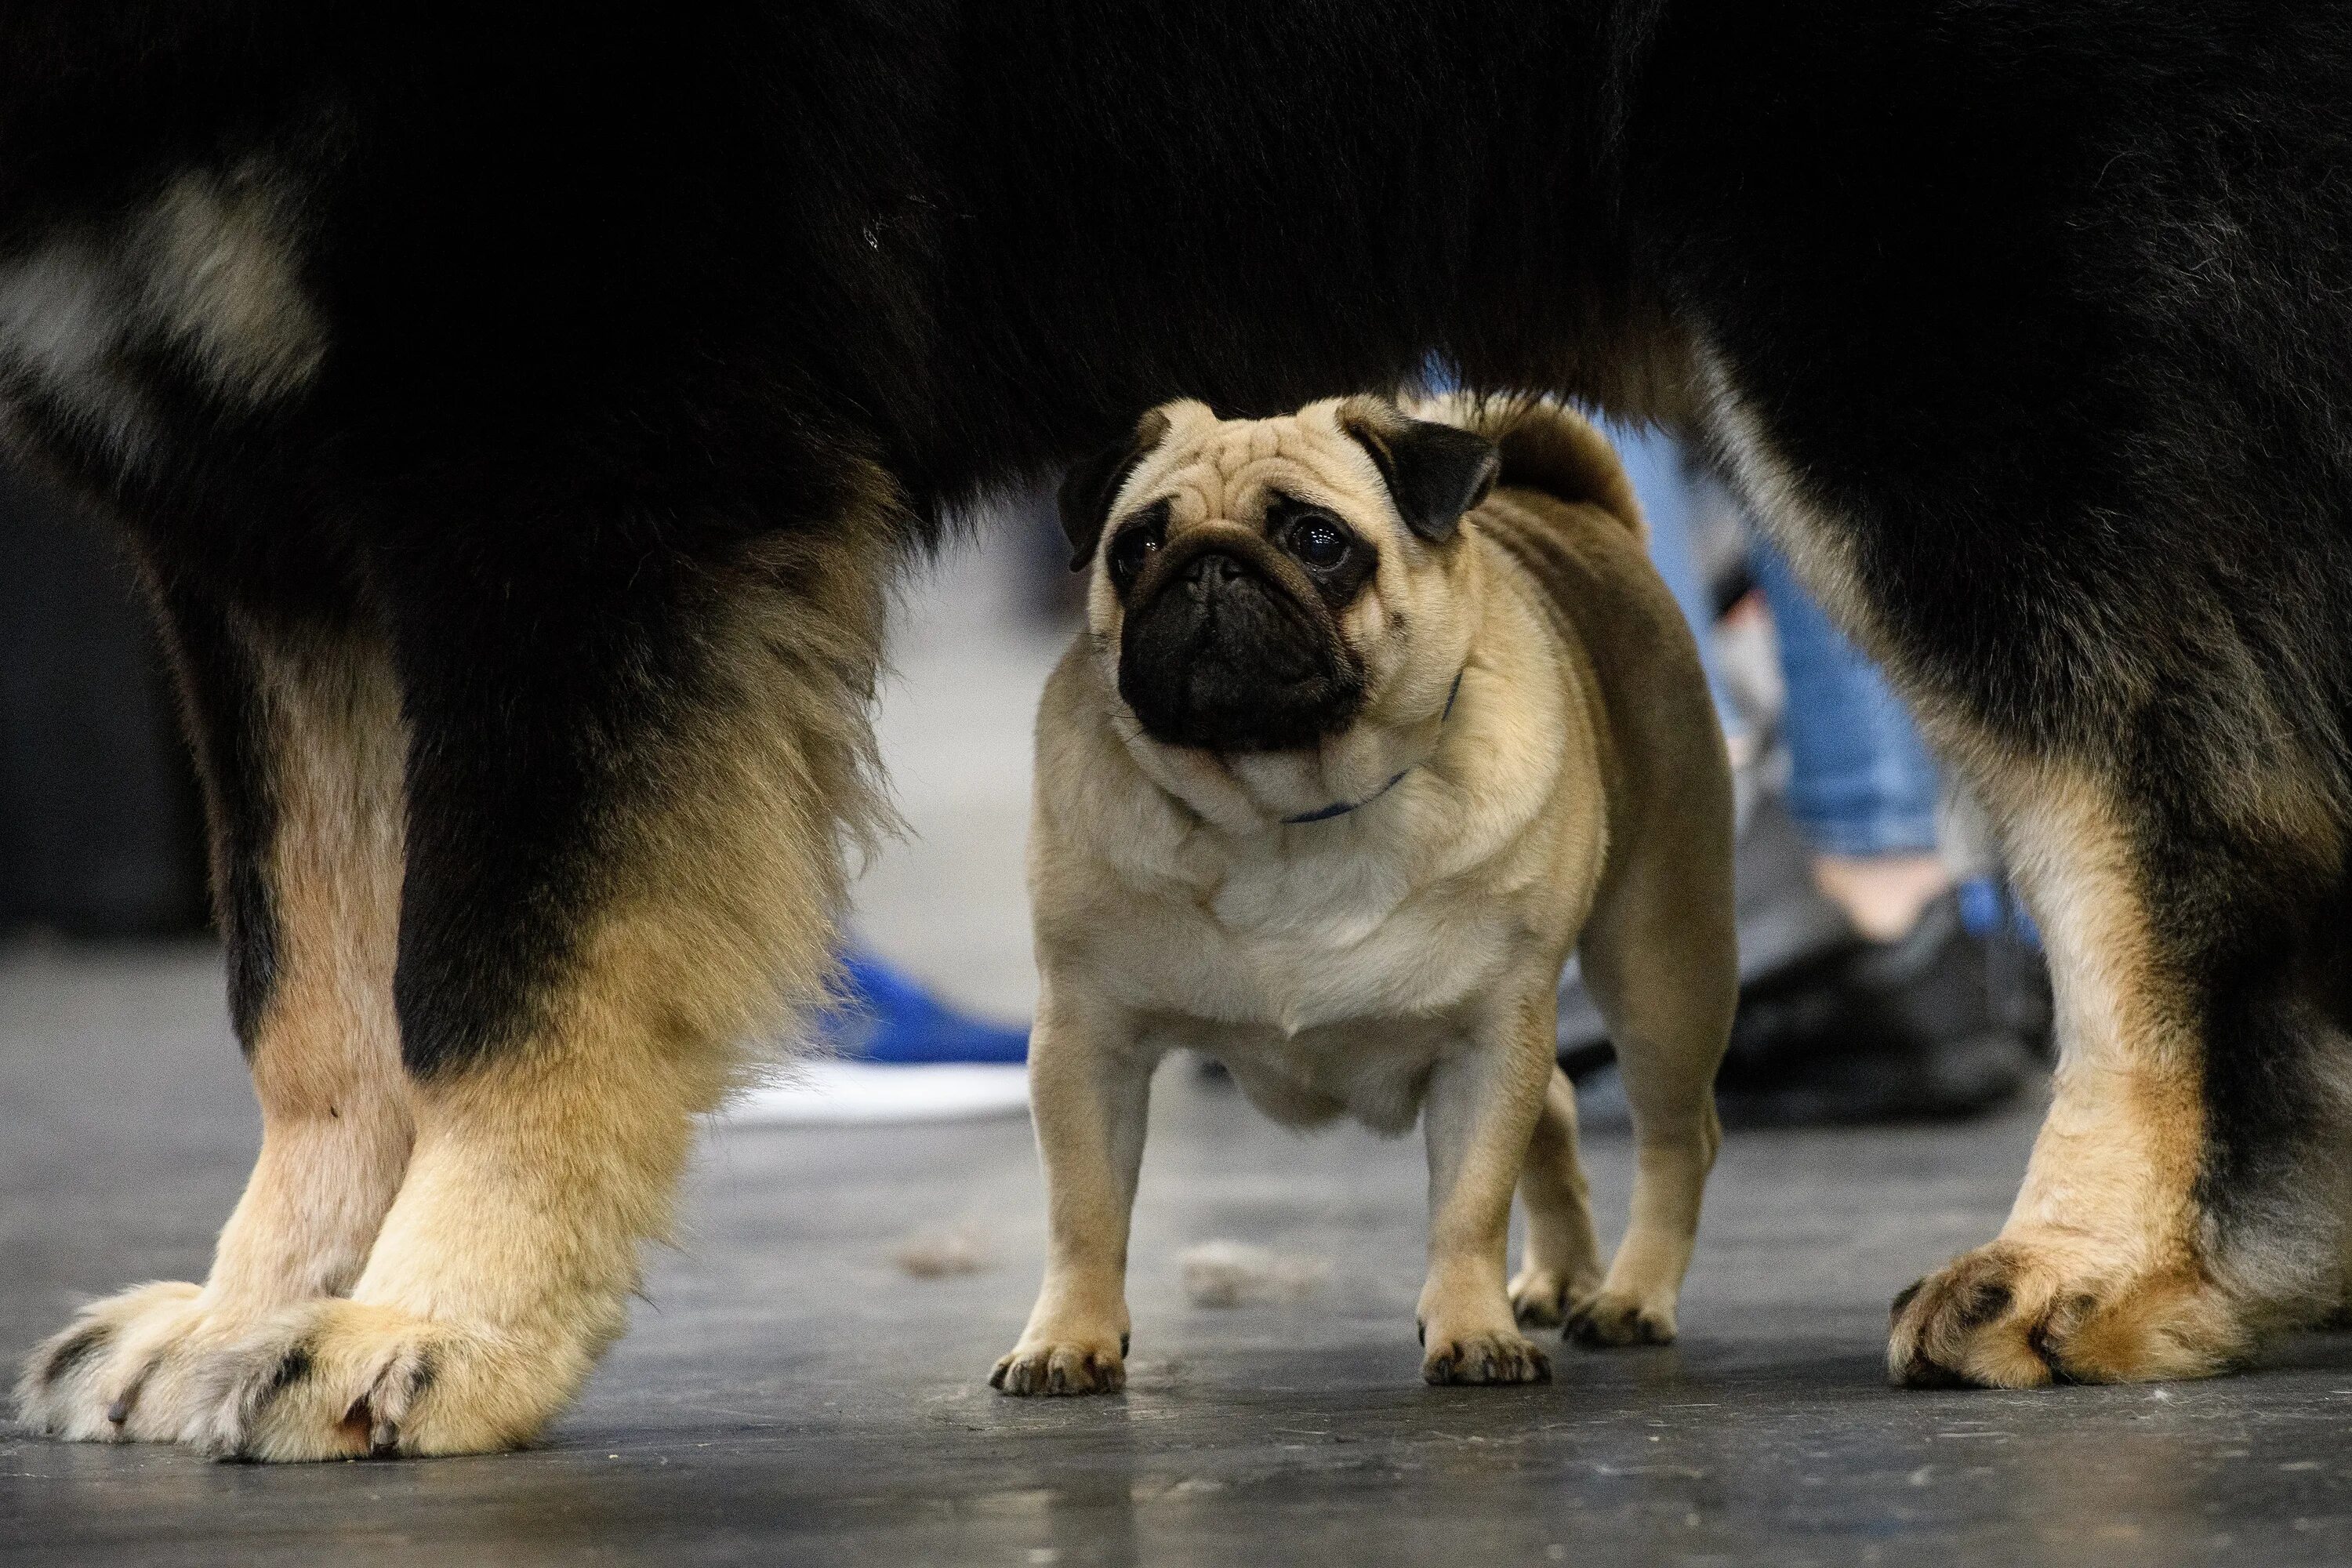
(1342, 807)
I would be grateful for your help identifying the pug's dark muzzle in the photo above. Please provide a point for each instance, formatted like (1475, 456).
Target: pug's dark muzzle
(1228, 648)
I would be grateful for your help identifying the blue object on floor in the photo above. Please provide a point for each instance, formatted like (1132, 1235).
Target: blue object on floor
(886, 1017)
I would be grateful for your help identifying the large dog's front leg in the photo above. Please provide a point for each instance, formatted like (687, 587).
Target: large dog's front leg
(502, 1271)
(299, 735)
(623, 856)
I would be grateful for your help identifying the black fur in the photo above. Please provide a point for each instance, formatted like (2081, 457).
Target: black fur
(219, 686)
(1435, 472)
(1230, 647)
(2045, 305)
(1093, 483)
(78, 1349)
(2064, 337)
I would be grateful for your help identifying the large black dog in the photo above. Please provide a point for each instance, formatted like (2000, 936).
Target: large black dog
(519, 426)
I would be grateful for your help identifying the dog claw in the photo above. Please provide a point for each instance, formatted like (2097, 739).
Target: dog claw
(1054, 1372)
(118, 1409)
(1491, 1357)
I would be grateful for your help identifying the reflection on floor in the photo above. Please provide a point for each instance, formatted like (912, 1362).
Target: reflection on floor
(791, 1392)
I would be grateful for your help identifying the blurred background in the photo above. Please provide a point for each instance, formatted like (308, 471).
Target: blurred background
(100, 831)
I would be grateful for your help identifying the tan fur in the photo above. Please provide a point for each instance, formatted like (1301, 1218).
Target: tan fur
(1564, 459)
(336, 1121)
(502, 1268)
(2100, 1273)
(1561, 1270)
(209, 267)
(222, 278)
(1663, 915)
(1398, 960)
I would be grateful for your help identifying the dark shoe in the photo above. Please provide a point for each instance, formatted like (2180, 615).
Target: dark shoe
(1944, 1023)
(1920, 1029)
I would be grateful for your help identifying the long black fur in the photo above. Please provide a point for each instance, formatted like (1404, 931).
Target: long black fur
(2047, 302)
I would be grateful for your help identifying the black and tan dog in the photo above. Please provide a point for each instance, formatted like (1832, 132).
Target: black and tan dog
(517, 423)
(1349, 757)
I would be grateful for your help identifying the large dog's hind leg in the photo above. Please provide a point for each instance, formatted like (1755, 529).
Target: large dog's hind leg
(299, 735)
(625, 800)
(2165, 761)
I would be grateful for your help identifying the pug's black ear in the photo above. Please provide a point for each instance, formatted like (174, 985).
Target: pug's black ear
(1090, 488)
(1435, 472)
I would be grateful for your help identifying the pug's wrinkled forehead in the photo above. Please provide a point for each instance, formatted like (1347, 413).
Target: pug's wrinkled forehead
(1359, 458)
(1207, 468)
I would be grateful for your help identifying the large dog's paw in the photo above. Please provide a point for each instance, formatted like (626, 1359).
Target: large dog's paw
(126, 1369)
(1611, 1319)
(338, 1379)
(1067, 1364)
(2012, 1315)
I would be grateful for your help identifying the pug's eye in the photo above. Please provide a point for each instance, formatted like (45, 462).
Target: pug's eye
(1317, 542)
(1135, 544)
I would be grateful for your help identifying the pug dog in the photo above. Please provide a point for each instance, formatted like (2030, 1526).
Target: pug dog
(1375, 720)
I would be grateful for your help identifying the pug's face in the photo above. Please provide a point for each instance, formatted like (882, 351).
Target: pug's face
(1261, 584)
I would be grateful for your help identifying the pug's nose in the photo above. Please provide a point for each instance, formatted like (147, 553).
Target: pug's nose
(1206, 574)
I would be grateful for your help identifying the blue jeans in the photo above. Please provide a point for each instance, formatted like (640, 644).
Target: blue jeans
(1862, 782)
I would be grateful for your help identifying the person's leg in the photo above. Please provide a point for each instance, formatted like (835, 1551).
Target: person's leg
(1655, 464)
(1862, 784)
(1866, 991)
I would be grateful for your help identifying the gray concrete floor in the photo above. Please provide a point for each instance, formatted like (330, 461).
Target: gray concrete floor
(788, 1393)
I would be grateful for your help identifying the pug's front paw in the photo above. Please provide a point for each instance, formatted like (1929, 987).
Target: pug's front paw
(1482, 1356)
(1063, 1364)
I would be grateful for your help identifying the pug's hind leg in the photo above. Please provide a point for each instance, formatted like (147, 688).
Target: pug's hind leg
(1562, 1266)
(1658, 954)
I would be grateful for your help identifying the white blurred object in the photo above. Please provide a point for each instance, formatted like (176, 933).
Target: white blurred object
(939, 1254)
(1235, 1274)
(834, 1093)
